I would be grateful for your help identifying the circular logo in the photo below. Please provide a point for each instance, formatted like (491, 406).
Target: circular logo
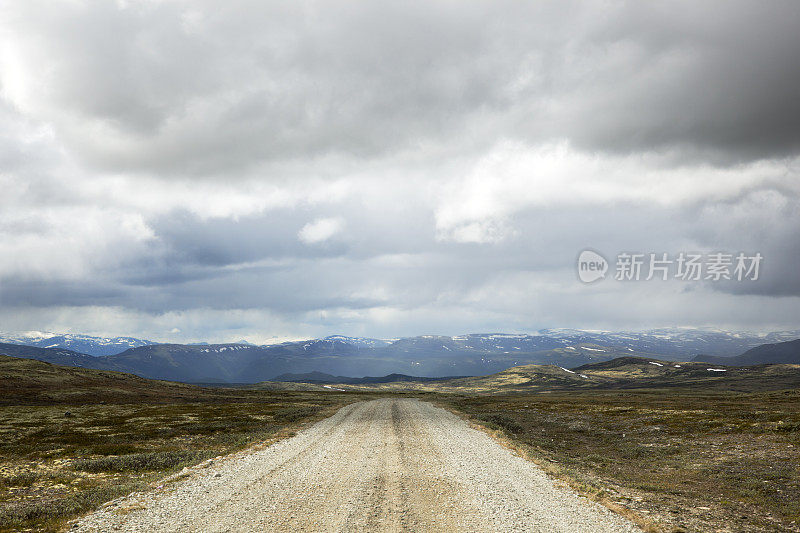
(591, 266)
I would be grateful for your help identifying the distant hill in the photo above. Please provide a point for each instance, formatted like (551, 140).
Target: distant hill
(59, 356)
(321, 377)
(780, 352)
(620, 373)
(27, 381)
(310, 377)
(633, 372)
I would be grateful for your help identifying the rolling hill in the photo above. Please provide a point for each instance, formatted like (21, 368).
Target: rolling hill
(27, 381)
(59, 356)
(616, 374)
(777, 353)
(321, 377)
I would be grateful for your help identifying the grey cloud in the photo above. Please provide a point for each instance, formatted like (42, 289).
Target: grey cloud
(224, 242)
(20, 292)
(715, 75)
(253, 82)
(396, 100)
(207, 264)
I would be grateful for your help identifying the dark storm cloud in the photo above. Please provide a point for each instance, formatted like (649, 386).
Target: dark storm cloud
(200, 88)
(20, 292)
(758, 225)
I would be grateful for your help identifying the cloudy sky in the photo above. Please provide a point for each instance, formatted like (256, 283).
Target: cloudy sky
(271, 170)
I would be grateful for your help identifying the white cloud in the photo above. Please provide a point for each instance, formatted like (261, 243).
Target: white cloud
(320, 230)
(69, 242)
(513, 177)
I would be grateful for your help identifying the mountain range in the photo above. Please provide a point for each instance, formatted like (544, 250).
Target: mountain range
(669, 341)
(86, 344)
(427, 355)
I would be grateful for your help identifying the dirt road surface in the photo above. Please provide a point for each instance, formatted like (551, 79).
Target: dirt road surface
(384, 465)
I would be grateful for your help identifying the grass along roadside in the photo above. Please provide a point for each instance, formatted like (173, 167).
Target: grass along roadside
(58, 462)
(681, 460)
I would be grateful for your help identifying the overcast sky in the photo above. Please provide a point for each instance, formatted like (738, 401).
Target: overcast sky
(270, 170)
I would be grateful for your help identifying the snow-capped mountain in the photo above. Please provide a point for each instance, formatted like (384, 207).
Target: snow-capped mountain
(97, 346)
(359, 341)
(675, 341)
(671, 342)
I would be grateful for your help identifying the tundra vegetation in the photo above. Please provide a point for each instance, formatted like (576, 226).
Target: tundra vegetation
(675, 451)
(72, 439)
(678, 459)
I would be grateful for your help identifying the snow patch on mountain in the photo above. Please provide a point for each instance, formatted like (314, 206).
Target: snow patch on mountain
(87, 344)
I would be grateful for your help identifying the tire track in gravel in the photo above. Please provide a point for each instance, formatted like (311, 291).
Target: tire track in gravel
(332, 433)
(384, 465)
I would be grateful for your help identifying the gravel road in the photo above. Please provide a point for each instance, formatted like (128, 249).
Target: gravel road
(383, 465)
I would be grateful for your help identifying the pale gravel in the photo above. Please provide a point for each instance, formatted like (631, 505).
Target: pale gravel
(383, 465)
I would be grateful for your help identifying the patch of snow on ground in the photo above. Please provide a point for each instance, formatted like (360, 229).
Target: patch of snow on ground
(333, 388)
(677, 366)
(716, 369)
(565, 370)
(654, 363)
(593, 349)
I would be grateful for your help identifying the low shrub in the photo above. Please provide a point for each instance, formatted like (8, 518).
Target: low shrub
(138, 462)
